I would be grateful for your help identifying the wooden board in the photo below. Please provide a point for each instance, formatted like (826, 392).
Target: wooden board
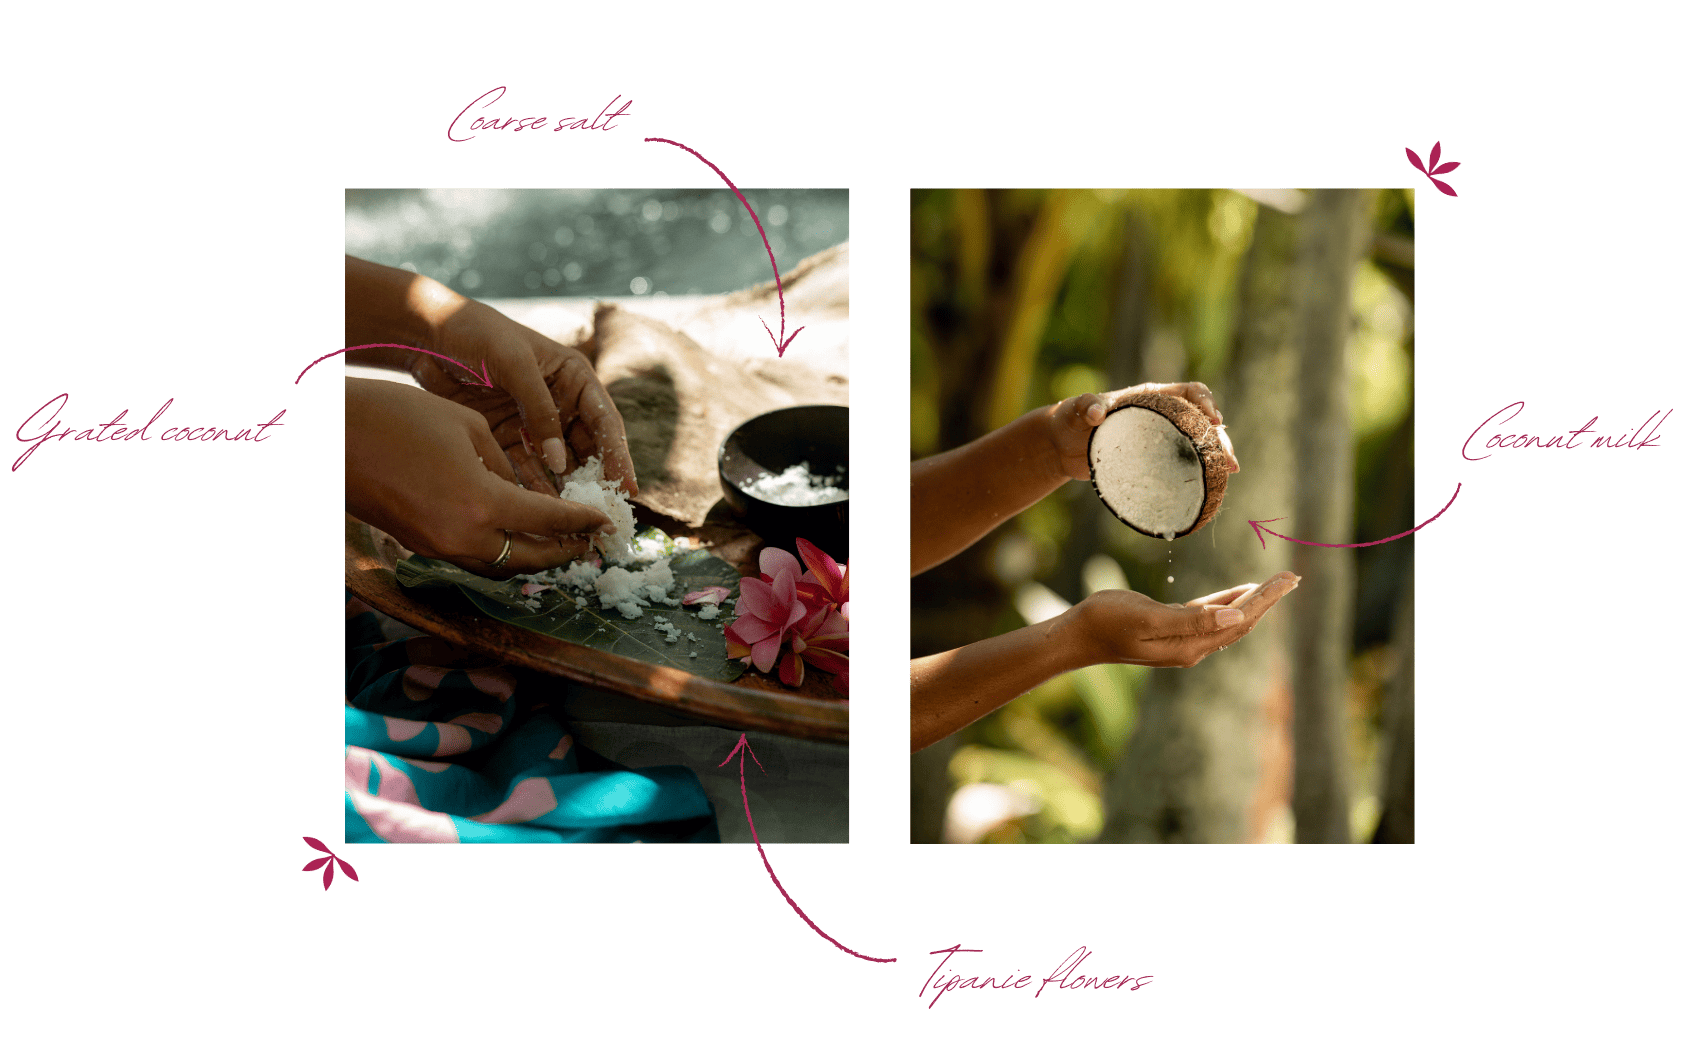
(754, 702)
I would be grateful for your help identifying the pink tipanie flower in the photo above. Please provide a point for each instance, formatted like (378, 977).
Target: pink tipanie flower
(825, 581)
(810, 611)
(821, 639)
(776, 561)
(767, 612)
(791, 668)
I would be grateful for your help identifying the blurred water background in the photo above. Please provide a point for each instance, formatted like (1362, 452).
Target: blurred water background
(524, 243)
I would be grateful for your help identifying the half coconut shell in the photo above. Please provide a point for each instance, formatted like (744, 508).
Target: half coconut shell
(1159, 465)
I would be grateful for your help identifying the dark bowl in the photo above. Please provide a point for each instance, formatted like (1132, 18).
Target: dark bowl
(772, 443)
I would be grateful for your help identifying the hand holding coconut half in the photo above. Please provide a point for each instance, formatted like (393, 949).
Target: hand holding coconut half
(1072, 422)
(1157, 455)
(1159, 459)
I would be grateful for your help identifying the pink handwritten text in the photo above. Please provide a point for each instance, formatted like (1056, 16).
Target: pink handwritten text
(45, 424)
(459, 127)
(1066, 975)
(1560, 441)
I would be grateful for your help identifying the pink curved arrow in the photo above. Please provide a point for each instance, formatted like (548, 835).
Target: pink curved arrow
(479, 379)
(738, 750)
(1255, 523)
(781, 342)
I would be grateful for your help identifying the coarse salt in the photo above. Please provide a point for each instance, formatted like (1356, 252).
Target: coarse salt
(798, 486)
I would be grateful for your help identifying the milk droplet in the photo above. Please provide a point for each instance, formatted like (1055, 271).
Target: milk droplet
(1169, 579)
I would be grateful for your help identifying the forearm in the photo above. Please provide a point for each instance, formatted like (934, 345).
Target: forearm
(951, 690)
(391, 306)
(959, 496)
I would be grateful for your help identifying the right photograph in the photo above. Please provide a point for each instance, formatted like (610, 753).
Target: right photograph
(1161, 496)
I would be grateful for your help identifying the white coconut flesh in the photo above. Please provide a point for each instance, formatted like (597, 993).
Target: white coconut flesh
(1148, 472)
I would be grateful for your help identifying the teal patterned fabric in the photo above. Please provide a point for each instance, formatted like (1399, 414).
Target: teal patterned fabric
(441, 747)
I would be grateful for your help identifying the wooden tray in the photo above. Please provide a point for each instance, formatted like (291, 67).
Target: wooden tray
(813, 711)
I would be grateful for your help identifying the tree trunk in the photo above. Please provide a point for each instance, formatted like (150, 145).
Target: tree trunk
(1396, 823)
(1191, 767)
(1322, 611)
(1128, 330)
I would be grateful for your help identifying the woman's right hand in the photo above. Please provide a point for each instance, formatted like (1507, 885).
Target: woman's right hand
(1071, 421)
(1125, 627)
(429, 472)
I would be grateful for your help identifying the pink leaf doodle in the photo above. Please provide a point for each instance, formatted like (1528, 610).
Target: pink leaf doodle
(1432, 169)
(327, 863)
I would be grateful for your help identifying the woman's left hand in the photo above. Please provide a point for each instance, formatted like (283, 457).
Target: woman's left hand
(1126, 627)
(546, 408)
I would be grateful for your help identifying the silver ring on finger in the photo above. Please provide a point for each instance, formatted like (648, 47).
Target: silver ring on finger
(504, 556)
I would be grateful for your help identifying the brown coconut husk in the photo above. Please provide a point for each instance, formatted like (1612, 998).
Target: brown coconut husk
(1204, 442)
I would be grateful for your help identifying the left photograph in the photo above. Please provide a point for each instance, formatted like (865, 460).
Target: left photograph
(597, 515)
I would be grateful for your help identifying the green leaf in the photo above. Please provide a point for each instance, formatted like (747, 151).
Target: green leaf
(560, 617)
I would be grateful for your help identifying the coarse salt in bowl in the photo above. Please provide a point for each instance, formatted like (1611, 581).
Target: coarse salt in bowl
(787, 474)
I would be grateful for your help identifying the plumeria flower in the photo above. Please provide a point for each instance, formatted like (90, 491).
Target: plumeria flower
(776, 561)
(824, 575)
(825, 581)
(810, 610)
(768, 609)
(821, 639)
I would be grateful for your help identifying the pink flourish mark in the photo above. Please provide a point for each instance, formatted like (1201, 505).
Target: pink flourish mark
(743, 743)
(779, 343)
(1255, 523)
(481, 378)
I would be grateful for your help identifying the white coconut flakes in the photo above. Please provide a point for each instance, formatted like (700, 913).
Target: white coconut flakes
(636, 573)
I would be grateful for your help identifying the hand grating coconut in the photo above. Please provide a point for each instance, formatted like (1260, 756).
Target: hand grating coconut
(1159, 465)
